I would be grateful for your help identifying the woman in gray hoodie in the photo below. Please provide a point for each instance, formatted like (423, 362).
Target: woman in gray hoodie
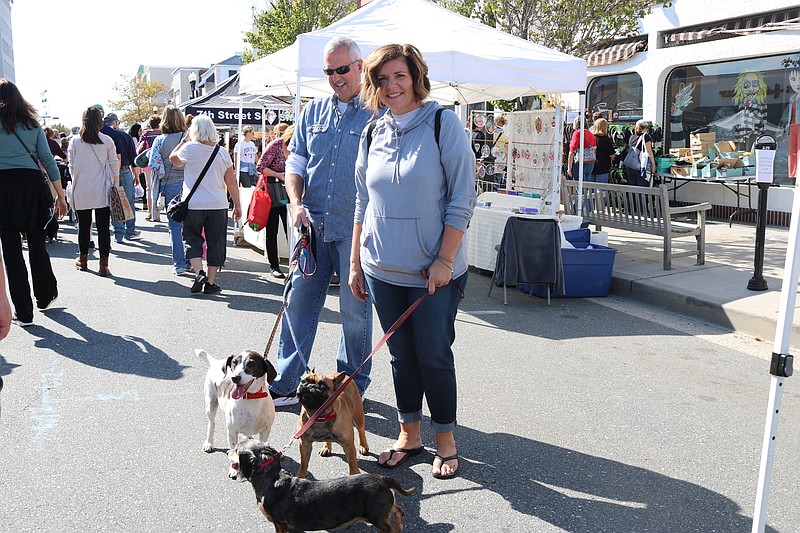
(415, 194)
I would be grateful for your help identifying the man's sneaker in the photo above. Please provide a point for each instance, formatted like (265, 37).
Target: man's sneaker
(46, 305)
(282, 401)
(133, 237)
(199, 280)
(22, 323)
(212, 288)
(335, 281)
(277, 273)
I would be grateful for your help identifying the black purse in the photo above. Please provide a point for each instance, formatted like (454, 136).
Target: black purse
(277, 193)
(178, 208)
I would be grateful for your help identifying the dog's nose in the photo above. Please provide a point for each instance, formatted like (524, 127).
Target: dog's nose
(236, 379)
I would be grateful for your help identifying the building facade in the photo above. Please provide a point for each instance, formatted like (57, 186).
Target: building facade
(6, 42)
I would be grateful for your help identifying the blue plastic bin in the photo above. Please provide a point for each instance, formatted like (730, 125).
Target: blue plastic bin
(587, 272)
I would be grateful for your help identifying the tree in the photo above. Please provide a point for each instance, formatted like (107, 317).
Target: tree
(279, 25)
(138, 98)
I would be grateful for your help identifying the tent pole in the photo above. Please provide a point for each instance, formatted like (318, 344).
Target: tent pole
(780, 366)
(557, 142)
(297, 99)
(581, 106)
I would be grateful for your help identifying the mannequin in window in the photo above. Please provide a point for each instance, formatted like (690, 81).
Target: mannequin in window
(791, 121)
(750, 93)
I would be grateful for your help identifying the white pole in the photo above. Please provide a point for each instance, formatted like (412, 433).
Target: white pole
(581, 105)
(783, 336)
(556, 193)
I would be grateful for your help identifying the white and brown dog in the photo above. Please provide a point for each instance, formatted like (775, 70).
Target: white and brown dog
(240, 385)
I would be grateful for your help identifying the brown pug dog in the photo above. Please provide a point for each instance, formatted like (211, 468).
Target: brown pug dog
(334, 426)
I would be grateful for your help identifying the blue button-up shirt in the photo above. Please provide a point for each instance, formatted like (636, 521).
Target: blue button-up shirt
(330, 144)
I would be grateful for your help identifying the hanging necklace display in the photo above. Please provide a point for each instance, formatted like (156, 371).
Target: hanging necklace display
(481, 171)
(490, 125)
(496, 152)
(537, 124)
(490, 169)
(528, 128)
(484, 150)
(518, 125)
(480, 120)
(477, 146)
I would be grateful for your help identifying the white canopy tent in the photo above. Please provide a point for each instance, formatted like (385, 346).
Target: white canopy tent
(468, 61)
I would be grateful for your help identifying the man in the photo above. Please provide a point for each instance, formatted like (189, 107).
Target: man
(126, 152)
(320, 184)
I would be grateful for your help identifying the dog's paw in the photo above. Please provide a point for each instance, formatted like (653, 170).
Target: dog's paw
(327, 450)
(208, 447)
(363, 450)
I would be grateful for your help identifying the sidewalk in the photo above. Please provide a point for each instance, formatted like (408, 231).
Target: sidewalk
(715, 292)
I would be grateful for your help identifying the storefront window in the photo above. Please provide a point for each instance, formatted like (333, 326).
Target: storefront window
(738, 101)
(620, 95)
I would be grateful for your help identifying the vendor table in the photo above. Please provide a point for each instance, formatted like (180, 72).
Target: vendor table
(486, 231)
(733, 184)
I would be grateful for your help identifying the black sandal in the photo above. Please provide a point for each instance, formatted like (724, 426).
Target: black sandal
(444, 460)
(409, 452)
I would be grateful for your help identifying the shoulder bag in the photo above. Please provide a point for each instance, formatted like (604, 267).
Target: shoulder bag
(121, 210)
(633, 159)
(178, 208)
(260, 205)
(36, 160)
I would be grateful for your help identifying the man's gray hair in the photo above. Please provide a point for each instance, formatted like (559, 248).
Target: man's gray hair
(337, 42)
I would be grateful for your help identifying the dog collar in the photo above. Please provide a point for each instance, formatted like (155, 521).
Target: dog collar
(327, 417)
(269, 461)
(255, 395)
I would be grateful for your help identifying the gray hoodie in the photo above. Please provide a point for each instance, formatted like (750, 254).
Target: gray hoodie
(407, 189)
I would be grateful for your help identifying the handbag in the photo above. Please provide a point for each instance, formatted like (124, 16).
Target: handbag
(120, 207)
(277, 193)
(260, 205)
(50, 186)
(178, 208)
(636, 156)
(143, 159)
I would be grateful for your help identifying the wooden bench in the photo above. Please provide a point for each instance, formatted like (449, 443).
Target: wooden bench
(640, 209)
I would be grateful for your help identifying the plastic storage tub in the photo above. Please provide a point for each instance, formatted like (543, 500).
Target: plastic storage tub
(587, 272)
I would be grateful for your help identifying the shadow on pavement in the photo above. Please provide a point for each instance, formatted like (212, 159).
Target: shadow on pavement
(123, 354)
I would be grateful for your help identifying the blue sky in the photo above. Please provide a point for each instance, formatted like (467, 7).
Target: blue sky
(78, 49)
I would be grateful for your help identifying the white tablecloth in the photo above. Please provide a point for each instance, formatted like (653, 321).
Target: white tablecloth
(485, 232)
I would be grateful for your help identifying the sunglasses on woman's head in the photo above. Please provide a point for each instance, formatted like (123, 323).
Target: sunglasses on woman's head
(341, 71)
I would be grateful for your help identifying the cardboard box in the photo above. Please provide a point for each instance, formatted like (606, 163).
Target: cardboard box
(680, 170)
(703, 137)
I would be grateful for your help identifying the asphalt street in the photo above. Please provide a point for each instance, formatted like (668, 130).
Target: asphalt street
(588, 415)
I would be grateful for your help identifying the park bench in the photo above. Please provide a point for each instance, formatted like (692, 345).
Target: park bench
(639, 209)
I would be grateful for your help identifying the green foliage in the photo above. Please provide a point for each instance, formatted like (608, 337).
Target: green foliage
(137, 99)
(279, 25)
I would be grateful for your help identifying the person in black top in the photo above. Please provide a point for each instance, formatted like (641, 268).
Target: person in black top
(605, 153)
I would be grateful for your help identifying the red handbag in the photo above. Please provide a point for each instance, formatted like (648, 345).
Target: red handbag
(260, 204)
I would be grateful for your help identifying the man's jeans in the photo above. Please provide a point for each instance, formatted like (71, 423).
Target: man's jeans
(126, 229)
(305, 303)
(175, 228)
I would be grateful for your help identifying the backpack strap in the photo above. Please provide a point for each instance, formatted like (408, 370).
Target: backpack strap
(437, 128)
(370, 132)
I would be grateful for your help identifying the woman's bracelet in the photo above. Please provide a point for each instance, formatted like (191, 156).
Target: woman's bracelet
(444, 262)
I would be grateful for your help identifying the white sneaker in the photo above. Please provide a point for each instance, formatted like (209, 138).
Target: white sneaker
(283, 401)
(21, 323)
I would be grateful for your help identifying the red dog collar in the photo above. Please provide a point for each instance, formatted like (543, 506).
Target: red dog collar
(327, 417)
(255, 395)
(269, 461)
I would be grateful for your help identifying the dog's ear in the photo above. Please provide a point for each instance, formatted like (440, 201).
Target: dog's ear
(338, 379)
(246, 460)
(271, 372)
(228, 362)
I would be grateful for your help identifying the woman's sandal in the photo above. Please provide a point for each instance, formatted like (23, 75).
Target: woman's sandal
(444, 460)
(409, 452)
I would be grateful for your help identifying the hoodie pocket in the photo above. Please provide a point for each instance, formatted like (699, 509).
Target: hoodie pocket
(397, 245)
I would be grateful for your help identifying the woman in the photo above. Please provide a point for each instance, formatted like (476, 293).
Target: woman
(605, 153)
(94, 166)
(244, 154)
(415, 195)
(168, 178)
(589, 149)
(135, 132)
(151, 193)
(51, 231)
(272, 165)
(640, 140)
(208, 206)
(25, 203)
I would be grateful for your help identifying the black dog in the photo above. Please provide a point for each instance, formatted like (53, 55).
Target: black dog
(292, 503)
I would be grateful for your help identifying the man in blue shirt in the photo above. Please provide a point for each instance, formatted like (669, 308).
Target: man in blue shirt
(320, 182)
(126, 152)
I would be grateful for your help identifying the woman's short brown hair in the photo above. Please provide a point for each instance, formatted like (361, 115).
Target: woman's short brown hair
(370, 92)
(154, 122)
(172, 120)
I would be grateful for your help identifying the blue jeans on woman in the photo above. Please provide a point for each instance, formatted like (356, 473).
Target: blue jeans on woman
(179, 263)
(598, 178)
(304, 306)
(587, 171)
(422, 358)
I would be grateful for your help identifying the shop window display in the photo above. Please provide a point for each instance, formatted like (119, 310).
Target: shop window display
(737, 101)
(618, 97)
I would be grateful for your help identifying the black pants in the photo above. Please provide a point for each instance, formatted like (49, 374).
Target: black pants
(24, 204)
(102, 220)
(275, 214)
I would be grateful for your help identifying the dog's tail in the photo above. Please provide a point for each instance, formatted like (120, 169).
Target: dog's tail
(202, 354)
(395, 486)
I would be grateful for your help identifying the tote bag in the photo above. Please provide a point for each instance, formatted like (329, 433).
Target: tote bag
(260, 205)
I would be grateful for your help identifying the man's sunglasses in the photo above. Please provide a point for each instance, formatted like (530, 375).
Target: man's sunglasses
(341, 71)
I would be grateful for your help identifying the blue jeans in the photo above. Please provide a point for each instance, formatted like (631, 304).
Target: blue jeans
(587, 171)
(422, 358)
(175, 228)
(598, 178)
(125, 229)
(305, 302)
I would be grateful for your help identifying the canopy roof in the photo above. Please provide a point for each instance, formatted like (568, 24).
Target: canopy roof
(468, 61)
(222, 104)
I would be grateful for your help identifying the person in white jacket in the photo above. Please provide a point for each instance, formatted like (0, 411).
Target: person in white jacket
(94, 166)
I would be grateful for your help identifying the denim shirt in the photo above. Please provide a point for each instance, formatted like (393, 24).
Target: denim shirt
(330, 144)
